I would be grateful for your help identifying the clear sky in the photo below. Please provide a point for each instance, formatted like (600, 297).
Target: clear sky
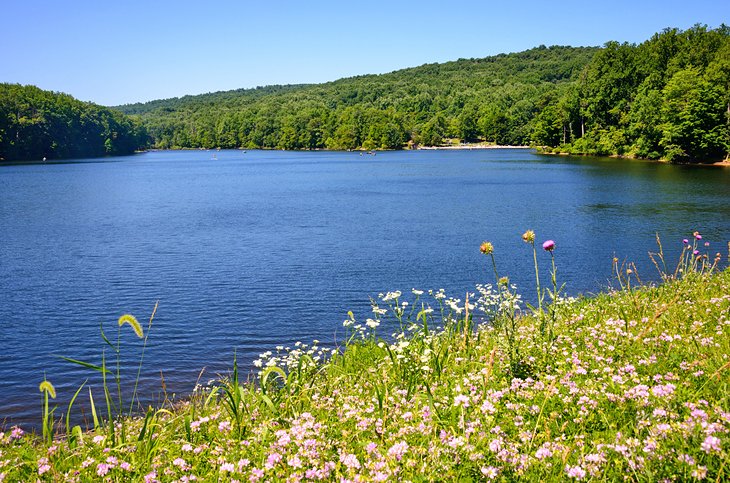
(113, 52)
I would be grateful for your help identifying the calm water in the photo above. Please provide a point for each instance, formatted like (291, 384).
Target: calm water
(249, 250)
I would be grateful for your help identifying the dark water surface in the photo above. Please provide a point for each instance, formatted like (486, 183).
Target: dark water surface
(245, 251)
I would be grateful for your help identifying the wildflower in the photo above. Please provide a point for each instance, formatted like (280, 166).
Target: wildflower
(372, 323)
(528, 236)
(486, 248)
(685, 241)
(543, 453)
(548, 246)
(227, 468)
(256, 474)
(503, 281)
(350, 461)
(490, 472)
(273, 459)
(710, 444)
(294, 462)
(16, 433)
(102, 469)
(700, 472)
(461, 400)
(398, 450)
(697, 235)
(575, 472)
(43, 468)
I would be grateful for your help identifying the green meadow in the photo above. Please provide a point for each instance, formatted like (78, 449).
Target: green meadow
(630, 384)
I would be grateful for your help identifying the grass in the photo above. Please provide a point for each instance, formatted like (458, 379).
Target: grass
(631, 384)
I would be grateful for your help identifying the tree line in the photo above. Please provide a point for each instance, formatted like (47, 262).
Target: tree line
(495, 99)
(37, 124)
(666, 98)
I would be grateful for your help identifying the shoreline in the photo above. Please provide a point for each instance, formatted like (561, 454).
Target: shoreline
(723, 163)
(472, 146)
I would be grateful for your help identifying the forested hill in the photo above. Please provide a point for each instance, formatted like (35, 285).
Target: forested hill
(495, 98)
(37, 124)
(668, 98)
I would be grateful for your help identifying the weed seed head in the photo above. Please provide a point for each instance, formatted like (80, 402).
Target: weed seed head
(129, 319)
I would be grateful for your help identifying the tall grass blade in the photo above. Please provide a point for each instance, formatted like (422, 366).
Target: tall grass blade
(70, 405)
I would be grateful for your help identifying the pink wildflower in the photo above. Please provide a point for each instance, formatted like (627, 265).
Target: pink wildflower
(256, 474)
(294, 462)
(548, 246)
(663, 390)
(227, 468)
(490, 472)
(461, 400)
(710, 444)
(102, 469)
(350, 460)
(398, 450)
(575, 472)
(273, 459)
(543, 453)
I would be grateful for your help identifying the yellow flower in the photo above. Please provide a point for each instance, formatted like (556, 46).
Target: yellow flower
(486, 248)
(528, 236)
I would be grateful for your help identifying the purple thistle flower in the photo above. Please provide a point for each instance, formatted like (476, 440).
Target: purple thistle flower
(548, 246)
(685, 241)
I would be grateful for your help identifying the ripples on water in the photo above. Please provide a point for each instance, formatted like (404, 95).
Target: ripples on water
(251, 250)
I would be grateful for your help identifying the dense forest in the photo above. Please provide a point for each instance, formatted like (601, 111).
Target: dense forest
(666, 98)
(495, 98)
(37, 124)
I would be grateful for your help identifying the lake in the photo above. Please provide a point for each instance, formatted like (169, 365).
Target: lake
(248, 250)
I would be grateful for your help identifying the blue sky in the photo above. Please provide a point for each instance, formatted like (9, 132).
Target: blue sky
(122, 52)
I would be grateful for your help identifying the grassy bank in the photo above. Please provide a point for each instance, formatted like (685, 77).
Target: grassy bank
(629, 385)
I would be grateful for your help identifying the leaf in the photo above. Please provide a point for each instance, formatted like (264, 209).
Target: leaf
(93, 410)
(68, 413)
(85, 364)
